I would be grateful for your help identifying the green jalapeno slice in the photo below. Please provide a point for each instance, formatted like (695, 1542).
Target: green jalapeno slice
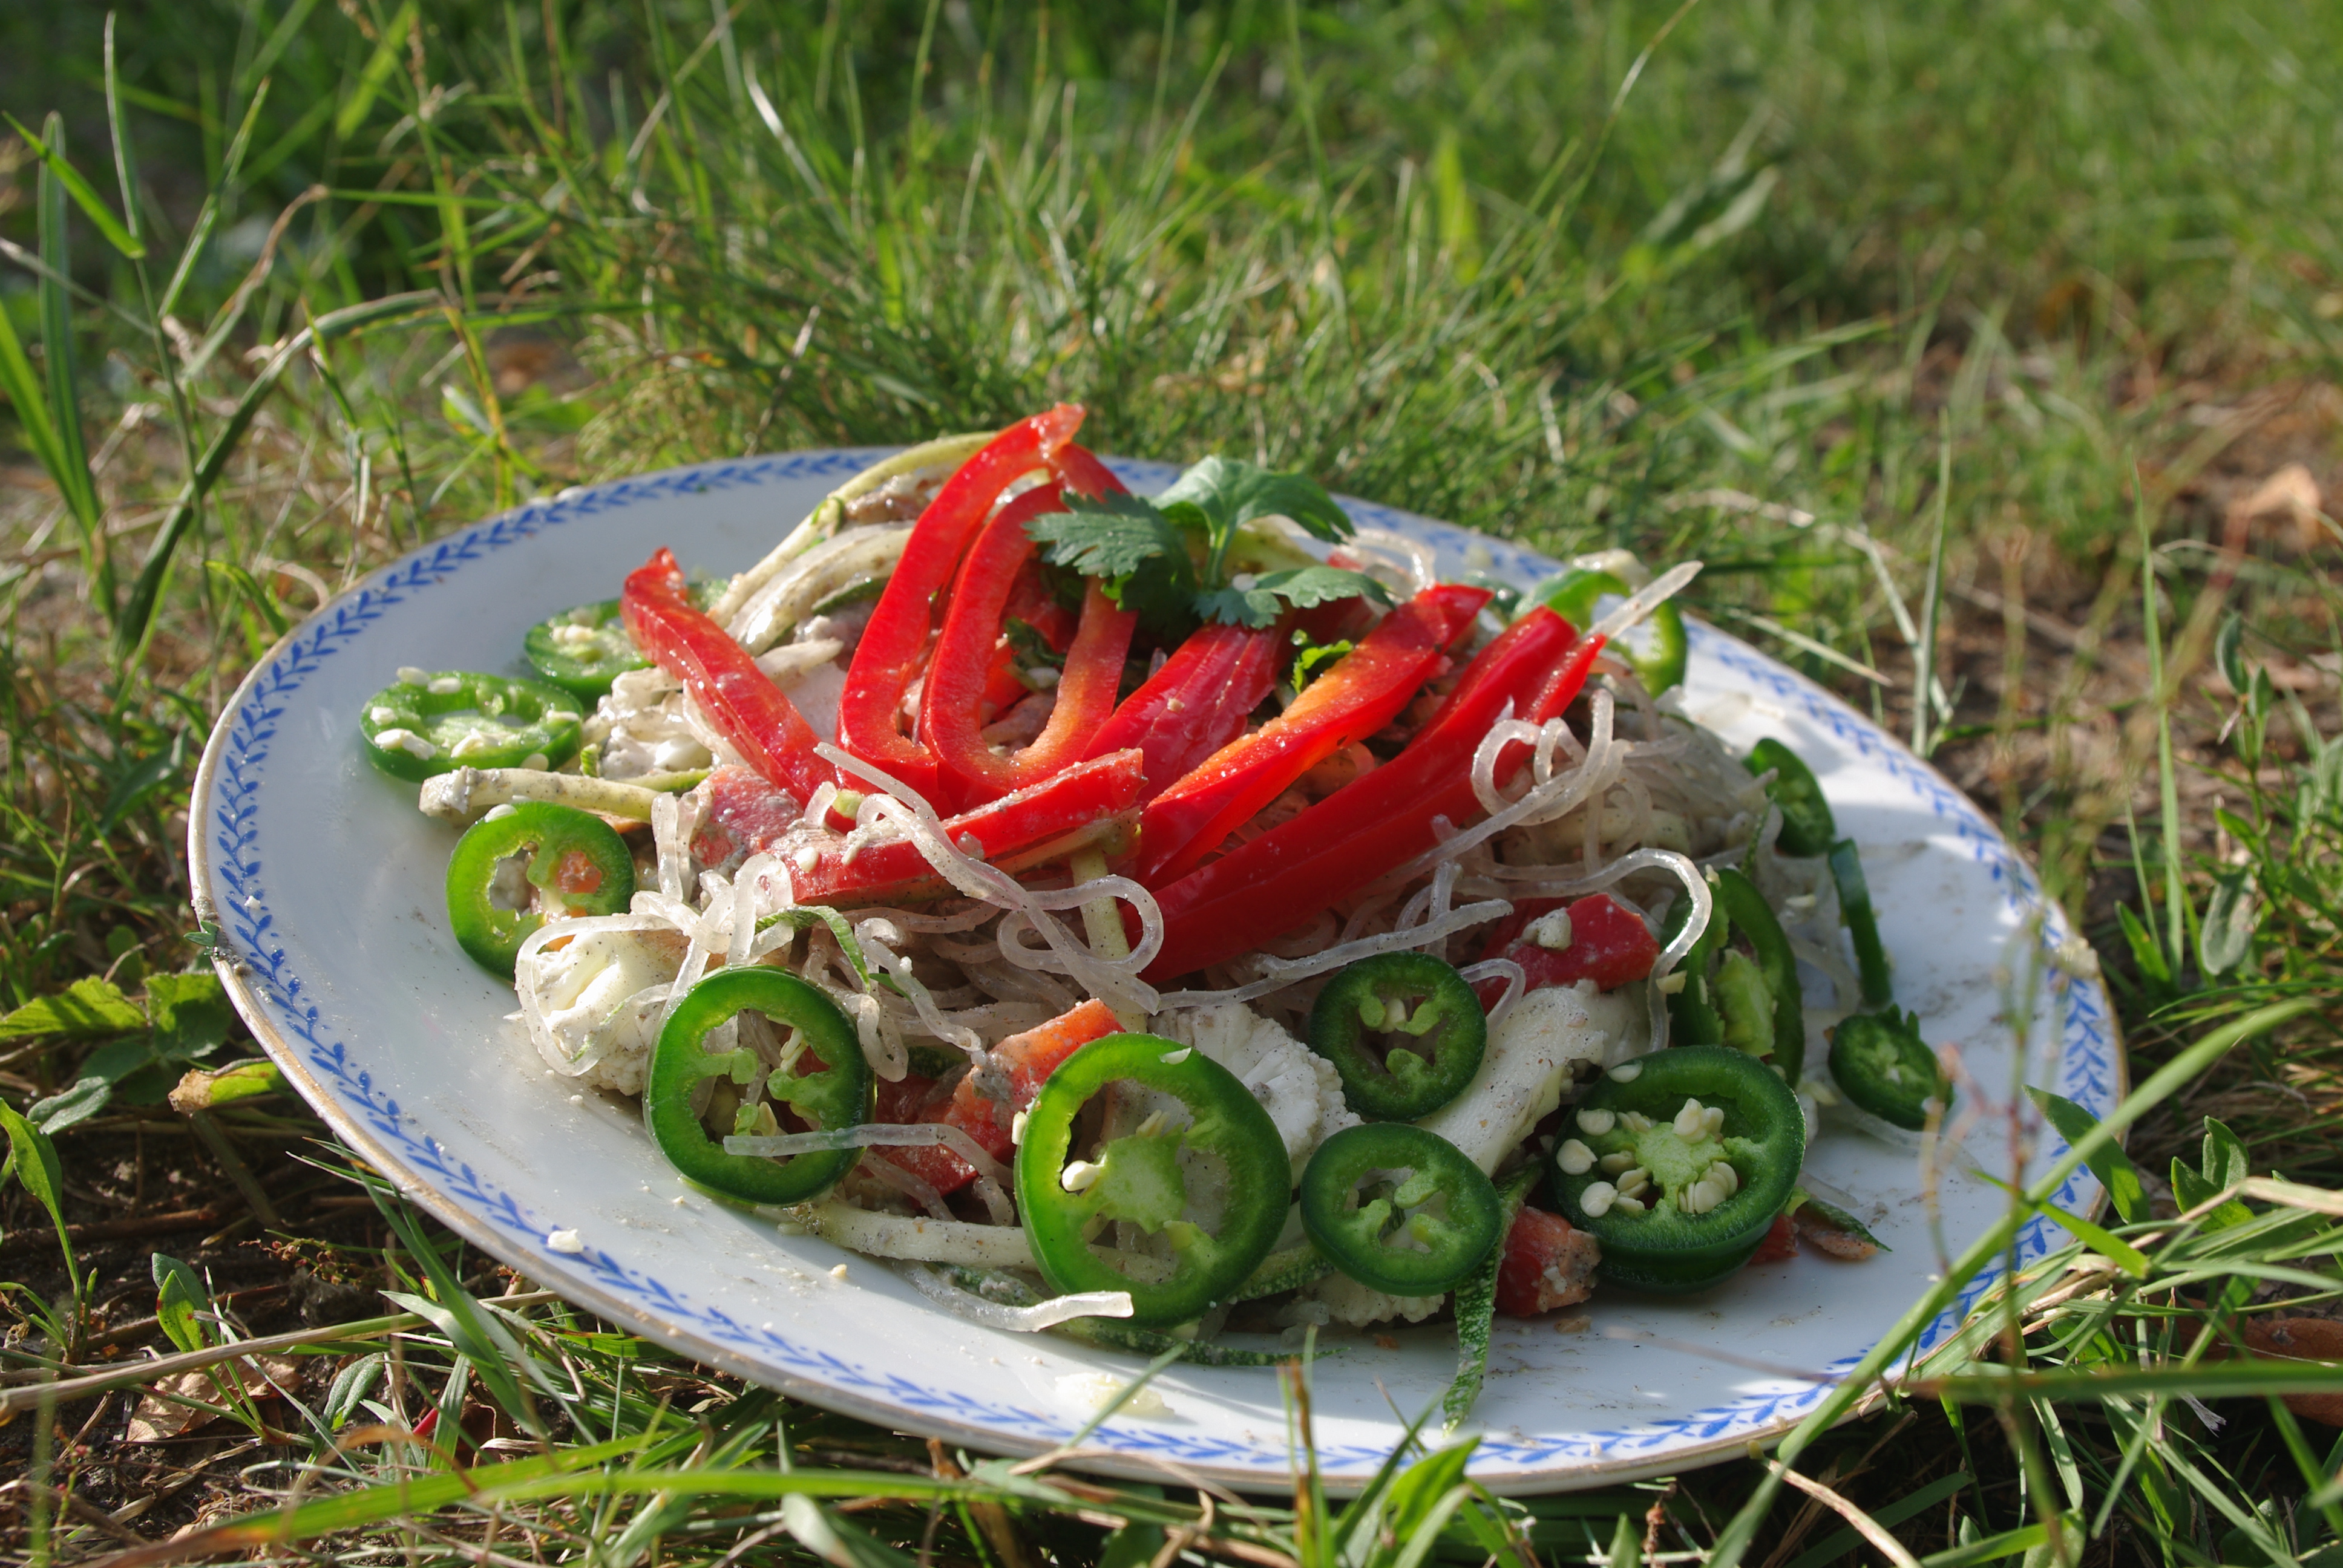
(514, 866)
(1679, 1170)
(1692, 1018)
(435, 723)
(1571, 596)
(1144, 1178)
(1405, 1031)
(1883, 1066)
(1862, 924)
(1808, 828)
(1427, 1219)
(582, 651)
(821, 1077)
(1741, 980)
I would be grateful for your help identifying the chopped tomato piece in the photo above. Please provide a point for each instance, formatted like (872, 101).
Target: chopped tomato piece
(1548, 1263)
(746, 816)
(1028, 1060)
(576, 875)
(1609, 944)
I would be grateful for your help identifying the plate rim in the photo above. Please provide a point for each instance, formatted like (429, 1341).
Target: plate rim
(237, 976)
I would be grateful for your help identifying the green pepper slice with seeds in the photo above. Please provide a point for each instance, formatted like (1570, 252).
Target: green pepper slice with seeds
(1883, 1066)
(1426, 1218)
(454, 719)
(822, 1077)
(1405, 1031)
(525, 861)
(1143, 1179)
(1571, 597)
(1679, 1170)
(1808, 828)
(582, 651)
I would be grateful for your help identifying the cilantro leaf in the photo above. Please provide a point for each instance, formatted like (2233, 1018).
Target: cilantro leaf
(1259, 603)
(1253, 607)
(1109, 536)
(1315, 658)
(1140, 554)
(1141, 549)
(1305, 585)
(1230, 493)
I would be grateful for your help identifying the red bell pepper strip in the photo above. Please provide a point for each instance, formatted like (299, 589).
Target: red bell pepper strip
(951, 720)
(1548, 1262)
(1609, 944)
(1088, 803)
(1376, 823)
(1197, 703)
(893, 651)
(1027, 1060)
(1363, 692)
(750, 712)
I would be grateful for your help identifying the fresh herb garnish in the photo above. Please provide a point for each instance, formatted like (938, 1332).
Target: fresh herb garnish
(1315, 658)
(1147, 551)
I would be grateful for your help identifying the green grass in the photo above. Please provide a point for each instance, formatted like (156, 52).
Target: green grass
(2054, 284)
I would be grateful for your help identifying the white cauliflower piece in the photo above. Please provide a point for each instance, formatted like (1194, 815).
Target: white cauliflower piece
(1300, 1089)
(1527, 1065)
(599, 995)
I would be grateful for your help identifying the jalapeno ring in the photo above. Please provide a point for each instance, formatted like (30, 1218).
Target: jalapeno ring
(837, 1091)
(1140, 1177)
(1880, 1063)
(1808, 828)
(456, 718)
(1427, 1016)
(572, 858)
(582, 651)
(1571, 597)
(1416, 1236)
(1679, 1172)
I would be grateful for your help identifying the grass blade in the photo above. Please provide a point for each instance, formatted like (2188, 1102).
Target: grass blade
(51, 151)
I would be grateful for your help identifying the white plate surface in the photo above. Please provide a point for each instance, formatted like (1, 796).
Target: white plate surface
(326, 885)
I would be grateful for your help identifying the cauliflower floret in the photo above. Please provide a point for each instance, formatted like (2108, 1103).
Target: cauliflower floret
(1300, 1089)
(1527, 1064)
(601, 990)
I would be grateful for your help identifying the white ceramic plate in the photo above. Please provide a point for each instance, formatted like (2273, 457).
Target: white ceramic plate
(326, 885)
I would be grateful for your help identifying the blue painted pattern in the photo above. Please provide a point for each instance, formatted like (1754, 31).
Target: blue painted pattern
(2088, 1061)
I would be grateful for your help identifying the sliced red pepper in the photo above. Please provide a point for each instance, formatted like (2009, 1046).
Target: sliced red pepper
(752, 714)
(1548, 1263)
(951, 717)
(1087, 803)
(893, 651)
(1027, 1060)
(1361, 693)
(1197, 703)
(1609, 944)
(1375, 823)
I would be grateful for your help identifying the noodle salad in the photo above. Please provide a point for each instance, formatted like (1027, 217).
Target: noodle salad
(1181, 923)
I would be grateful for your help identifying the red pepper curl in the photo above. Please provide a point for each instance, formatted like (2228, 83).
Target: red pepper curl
(755, 717)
